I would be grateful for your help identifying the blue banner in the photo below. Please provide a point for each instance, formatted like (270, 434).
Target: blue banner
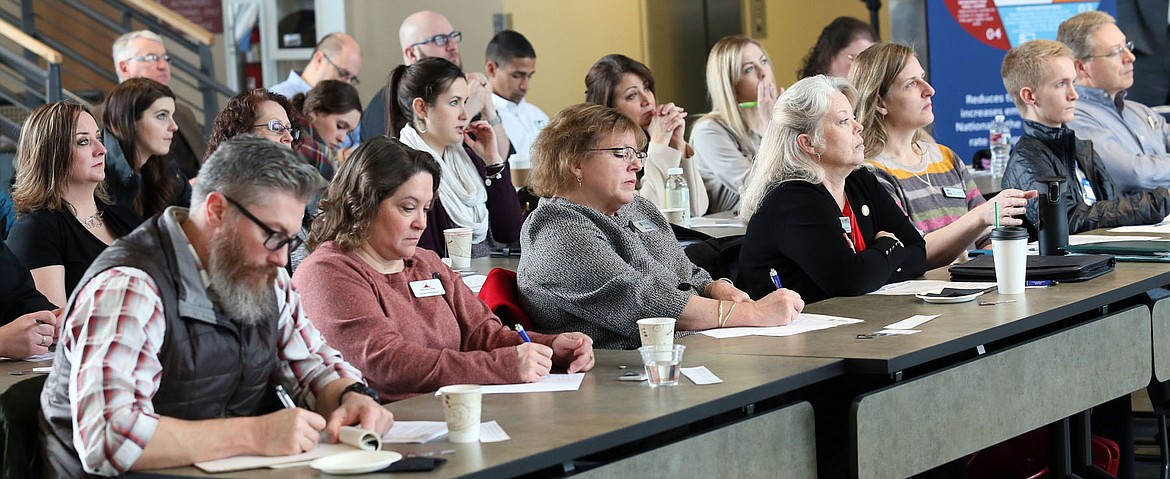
(967, 42)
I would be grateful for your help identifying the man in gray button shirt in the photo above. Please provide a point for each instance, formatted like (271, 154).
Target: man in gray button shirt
(1131, 138)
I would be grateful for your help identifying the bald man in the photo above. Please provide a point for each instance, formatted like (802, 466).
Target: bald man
(429, 34)
(336, 57)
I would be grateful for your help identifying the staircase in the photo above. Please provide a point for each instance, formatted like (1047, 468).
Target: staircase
(60, 49)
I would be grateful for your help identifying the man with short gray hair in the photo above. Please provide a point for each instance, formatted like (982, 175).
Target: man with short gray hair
(180, 330)
(1132, 139)
(141, 54)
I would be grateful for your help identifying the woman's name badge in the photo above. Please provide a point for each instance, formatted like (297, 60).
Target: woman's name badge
(954, 193)
(845, 225)
(427, 287)
(645, 226)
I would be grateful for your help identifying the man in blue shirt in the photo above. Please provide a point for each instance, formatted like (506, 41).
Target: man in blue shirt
(1131, 138)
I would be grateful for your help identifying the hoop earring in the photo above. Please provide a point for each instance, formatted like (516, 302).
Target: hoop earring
(421, 125)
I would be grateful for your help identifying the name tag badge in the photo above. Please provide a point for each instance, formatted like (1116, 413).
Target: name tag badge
(645, 226)
(845, 225)
(954, 193)
(427, 287)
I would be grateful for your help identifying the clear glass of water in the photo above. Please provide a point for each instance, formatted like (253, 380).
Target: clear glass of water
(663, 363)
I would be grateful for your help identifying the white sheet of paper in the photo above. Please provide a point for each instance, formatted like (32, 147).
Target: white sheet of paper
(420, 432)
(242, 463)
(1160, 228)
(702, 222)
(923, 286)
(404, 432)
(802, 324)
(897, 332)
(701, 375)
(475, 282)
(491, 431)
(1089, 239)
(912, 322)
(550, 383)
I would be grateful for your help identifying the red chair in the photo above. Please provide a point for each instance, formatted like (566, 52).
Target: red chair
(1026, 457)
(502, 296)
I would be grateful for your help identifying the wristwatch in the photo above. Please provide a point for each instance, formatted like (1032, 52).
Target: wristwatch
(358, 388)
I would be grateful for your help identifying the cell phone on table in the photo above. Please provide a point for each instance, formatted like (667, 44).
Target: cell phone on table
(635, 376)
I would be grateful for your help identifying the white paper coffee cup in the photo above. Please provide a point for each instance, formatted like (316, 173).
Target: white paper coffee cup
(462, 404)
(676, 216)
(458, 241)
(656, 331)
(1009, 248)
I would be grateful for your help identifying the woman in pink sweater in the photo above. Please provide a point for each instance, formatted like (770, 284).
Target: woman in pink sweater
(395, 310)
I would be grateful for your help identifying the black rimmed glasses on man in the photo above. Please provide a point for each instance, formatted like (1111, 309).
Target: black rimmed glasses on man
(625, 153)
(441, 39)
(342, 73)
(275, 240)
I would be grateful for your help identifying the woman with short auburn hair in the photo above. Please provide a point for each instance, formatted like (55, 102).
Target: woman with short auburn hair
(598, 257)
(358, 286)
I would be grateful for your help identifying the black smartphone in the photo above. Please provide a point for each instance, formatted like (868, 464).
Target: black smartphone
(415, 464)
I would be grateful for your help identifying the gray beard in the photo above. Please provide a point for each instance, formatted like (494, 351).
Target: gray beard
(230, 286)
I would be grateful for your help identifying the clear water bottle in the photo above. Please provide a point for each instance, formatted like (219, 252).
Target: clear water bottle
(677, 194)
(1001, 145)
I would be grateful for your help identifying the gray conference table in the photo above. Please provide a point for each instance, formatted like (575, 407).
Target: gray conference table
(976, 375)
(552, 430)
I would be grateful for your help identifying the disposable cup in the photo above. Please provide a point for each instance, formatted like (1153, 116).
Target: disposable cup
(458, 241)
(461, 406)
(656, 331)
(1009, 247)
(663, 364)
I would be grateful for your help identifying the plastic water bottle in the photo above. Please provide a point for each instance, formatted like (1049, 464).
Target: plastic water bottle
(677, 194)
(1001, 145)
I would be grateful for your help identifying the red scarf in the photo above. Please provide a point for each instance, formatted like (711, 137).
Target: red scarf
(854, 229)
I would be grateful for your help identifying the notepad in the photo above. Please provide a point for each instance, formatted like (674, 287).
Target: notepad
(349, 439)
(421, 432)
(803, 323)
(474, 282)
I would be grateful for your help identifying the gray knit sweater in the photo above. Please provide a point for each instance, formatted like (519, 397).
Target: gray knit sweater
(585, 271)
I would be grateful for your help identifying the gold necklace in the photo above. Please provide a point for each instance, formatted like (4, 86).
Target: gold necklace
(92, 221)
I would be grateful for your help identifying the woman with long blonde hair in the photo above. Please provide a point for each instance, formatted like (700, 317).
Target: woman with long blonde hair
(742, 90)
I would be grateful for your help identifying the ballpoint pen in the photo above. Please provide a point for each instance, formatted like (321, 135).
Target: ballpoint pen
(523, 333)
(775, 277)
(284, 398)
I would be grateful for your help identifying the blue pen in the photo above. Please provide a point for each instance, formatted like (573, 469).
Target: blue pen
(1043, 282)
(523, 333)
(775, 277)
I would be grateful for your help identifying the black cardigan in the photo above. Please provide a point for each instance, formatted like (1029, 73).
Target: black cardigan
(798, 232)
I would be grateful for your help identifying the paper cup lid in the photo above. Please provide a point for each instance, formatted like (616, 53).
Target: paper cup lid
(1009, 233)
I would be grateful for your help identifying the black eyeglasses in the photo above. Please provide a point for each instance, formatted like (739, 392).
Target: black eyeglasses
(625, 153)
(275, 126)
(275, 240)
(341, 72)
(151, 58)
(1127, 46)
(442, 39)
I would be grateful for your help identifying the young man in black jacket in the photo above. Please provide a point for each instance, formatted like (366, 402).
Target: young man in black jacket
(1039, 78)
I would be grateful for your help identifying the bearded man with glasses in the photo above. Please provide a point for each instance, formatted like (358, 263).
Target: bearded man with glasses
(1131, 138)
(182, 329)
